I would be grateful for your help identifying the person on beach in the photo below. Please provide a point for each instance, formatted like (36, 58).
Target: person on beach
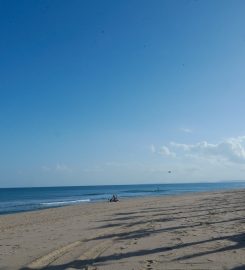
(114, 198)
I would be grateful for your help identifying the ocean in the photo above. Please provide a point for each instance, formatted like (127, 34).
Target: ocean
(14, 200)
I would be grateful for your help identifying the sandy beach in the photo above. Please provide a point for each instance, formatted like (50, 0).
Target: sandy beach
(194, 231)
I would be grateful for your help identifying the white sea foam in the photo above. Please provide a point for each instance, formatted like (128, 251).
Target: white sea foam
(65, 202)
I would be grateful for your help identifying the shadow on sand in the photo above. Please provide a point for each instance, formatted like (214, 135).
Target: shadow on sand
(235, 241)
(238, 240)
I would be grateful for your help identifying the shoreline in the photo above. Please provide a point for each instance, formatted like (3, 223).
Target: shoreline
(122, 199)
(130, 234)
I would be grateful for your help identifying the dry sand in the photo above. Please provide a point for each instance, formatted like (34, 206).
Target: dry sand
(195, 231)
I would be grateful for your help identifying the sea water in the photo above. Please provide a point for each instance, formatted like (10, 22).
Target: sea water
(13, 200)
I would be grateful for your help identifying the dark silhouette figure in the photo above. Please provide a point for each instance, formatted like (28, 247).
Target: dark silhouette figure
(114, 198)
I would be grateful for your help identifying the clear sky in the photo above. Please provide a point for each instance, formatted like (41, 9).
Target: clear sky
(119, 92)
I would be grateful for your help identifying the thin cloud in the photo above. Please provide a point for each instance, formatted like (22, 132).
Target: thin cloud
(59, 167)
(62, 168)
(153, 148)
(164, 150)
(186, 130)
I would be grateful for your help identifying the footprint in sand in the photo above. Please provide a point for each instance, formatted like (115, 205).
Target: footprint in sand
(149, 264)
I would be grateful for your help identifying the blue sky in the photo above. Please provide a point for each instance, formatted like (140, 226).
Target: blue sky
(118, 92)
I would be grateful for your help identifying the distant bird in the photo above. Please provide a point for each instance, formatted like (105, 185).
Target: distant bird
(169, 171)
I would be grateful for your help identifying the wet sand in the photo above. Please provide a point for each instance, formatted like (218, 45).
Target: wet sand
(194, 231)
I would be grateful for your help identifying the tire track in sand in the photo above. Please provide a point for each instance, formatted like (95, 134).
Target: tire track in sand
(54, 255)
(92, 253)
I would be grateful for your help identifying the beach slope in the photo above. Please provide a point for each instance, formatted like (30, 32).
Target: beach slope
(194, 231)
